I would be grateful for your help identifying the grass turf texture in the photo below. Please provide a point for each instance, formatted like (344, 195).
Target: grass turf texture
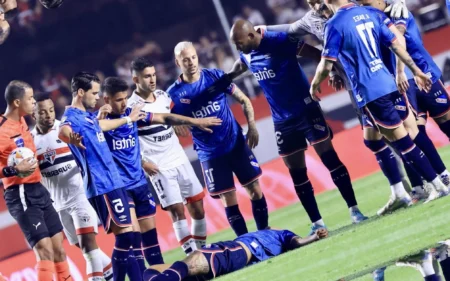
(351, 250)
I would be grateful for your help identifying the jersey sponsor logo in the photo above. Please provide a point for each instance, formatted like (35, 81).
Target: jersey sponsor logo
(124, 143)
(57, 171)
(100, 137)
(254, 245)
(19, 141)
(441, 100)
(163, 137)
(254, 164)
(264, 74)
(186, 101)
(319, 127)
(307, 100)
(376, 65)
(206, 111)
(50, 156)
(123, 218)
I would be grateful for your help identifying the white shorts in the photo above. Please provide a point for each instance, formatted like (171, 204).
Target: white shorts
(177, 185)
(78, 219)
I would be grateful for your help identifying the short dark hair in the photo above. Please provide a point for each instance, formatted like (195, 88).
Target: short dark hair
(15, 90)
(113, 85)
(139, 64)
(42, 96)
(82, 80)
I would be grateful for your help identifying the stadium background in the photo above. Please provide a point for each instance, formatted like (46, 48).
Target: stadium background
(104, 35)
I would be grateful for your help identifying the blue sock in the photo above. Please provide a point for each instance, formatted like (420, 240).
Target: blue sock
(134, 271)
(121, 259)
(260, 213)
(152, 251)
(445, 127)
(236, 220)
(426, 145)
(305, 193)
(445, 266)
(340, 176)
(413, 176)
(386, 160)
(414, 156)
(433, 277)
(137, 251)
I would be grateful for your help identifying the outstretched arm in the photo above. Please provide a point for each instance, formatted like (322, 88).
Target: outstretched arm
(298, 242)
(179, 120)
(237, 70)
(111, 124)
(252, 133)
(323, 69)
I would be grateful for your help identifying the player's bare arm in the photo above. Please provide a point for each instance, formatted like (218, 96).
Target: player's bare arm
(298, 242)
(422, 80)
(323, 69)
(179, 120)
(68, 136)
(149, 167)
(135, 115)
(252, 133)
(400, 77)
(237, 70)
(104, 111)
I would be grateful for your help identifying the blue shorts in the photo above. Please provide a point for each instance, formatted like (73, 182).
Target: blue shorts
(293, 135)
(218, 172)
(141, 199)
(112, 206)
(388, 111)
(436, 102)
(223, 258)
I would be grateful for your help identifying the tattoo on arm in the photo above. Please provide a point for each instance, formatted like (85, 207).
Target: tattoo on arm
(197, 264)
(404, 56)
(175, 119)
(246, 103)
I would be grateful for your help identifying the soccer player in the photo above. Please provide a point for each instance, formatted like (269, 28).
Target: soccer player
(225, 257)
(102, 182)
(226, 150)
(28, 201)
(360, 53)
(423, 262)
(165, 161)
(298, 120)
(125, 148)
(61, 176)
(4, 28)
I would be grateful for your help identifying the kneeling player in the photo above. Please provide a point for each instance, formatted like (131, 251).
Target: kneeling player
(61, 176)
(225, 257)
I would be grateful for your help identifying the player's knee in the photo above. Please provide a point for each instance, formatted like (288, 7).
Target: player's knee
(59, 254)
(375, 145)
(331, 160)
(177, 212)
(44, 250)
(295, 161)
(229, 199)
(88, 242)
(254, 190)
(300, 178)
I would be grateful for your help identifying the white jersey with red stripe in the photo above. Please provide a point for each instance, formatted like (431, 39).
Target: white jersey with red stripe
(60, 173)
(159, 143)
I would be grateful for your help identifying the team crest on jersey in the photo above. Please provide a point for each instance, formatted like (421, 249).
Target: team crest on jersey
(319, 127)
(19, 141)
(400, 107)
(85, 217)
(50, 156)
(186, 101)
(441, 100)
(254, 164)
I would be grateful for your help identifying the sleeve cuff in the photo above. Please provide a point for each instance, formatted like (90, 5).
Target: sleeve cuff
(329, 58)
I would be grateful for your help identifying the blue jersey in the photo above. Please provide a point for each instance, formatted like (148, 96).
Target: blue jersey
(223, 138)
(356, 33)
(100, 174)
(415, 48)
(124, 145)
(265, 244)
(275, 66)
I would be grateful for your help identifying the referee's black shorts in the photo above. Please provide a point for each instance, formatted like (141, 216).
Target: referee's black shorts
(31, 206)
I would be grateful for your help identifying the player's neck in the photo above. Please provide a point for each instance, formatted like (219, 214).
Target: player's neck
(146, 96)
(42, 130)
(78, 104)
(12, 114)
(339, 4)
(380, 5)
(191, 78)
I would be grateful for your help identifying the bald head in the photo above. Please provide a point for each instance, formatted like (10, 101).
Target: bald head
(244, 36)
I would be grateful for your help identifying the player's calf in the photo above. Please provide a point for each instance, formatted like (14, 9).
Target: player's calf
(198, 223)
(233, 213)
(259, 205)
(181, 228)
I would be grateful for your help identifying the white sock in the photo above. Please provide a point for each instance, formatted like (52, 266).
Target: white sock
(445, 176)
(107, 266)
(437, 183)
(427, 265)
(319, 222)
(354, 208)
(94, 266)
(418, 189)
(398, 190)
(198, 230)
(183, 235)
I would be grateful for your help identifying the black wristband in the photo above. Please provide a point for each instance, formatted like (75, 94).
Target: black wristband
(9, 172)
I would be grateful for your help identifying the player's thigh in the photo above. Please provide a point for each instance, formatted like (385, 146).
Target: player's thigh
(244, 163)
(218, 175)
(189, 184)
(290, 138)
(229, 198)
(86, 225)
(166, 186)
(436, 102)
(59, 254)
(67, 221)
(371, 134)
(410, 124)
(145, 206)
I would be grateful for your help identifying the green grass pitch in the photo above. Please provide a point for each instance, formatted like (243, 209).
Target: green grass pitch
(351, 251)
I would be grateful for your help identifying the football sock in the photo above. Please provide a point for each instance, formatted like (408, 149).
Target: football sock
(426, 145)
(137, 251)
(305, 193)
(340, 176)
(413, 176)
(107, 265)
(432, 277)
(94, 265)
(177, 271)
(183, 235)
(62, 271)
(445, 266)
(150, 246)
(45, 270)
(260, 213)
(413, 155)
(198, 230)
(134, 271)
(236, 220)
(445, 127)
(121, 256)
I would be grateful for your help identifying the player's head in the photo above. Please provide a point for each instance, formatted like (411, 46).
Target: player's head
(19, 95)
(115, 93)
(44, 111)
(186, 58)
(244, 36)
(10, 8)
(85, 87)
(367, 2)
(144, 75)
(314, 4)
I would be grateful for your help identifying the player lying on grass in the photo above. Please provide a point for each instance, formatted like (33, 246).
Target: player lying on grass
(228, 256)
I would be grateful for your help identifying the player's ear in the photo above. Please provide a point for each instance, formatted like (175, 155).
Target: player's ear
(135, 79)
(176, 62)
(80, 92)
(106, 99)
(16, 103)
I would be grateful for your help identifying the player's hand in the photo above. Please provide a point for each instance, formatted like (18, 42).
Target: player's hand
(423, 82)
(77, 140)
(402, 82)
(104, 111)
(182, 131)
(136, 113)
(262, 27)
(313, 92)
(397, 9)
(336, 82)
(252, 136)
(322, 233)
(26, 167)
(204, 123)
(150, 168)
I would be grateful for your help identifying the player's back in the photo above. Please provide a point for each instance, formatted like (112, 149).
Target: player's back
(357, 33)
(188, 101)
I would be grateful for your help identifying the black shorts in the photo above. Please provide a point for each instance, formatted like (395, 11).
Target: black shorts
(31, 206)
